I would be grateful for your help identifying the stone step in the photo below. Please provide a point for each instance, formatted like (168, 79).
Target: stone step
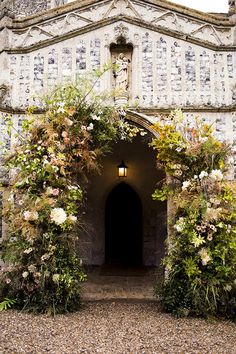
(113, 287)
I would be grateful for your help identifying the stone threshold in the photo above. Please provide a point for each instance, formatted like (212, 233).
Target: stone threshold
(137, 285)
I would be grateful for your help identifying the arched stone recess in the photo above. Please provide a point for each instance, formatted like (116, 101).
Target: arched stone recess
(142, 177)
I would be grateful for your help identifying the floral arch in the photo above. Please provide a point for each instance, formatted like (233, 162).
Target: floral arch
(51, 163)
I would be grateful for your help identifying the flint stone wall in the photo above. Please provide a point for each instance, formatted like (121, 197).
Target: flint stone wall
(166, 72)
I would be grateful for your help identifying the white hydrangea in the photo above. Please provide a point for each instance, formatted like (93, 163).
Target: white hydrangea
(25, 274)
(58, 216)
(216, 175)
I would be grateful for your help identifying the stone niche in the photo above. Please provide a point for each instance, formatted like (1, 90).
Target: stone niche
(121, 56)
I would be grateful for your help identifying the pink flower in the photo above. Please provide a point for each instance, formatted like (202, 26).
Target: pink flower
(55, 192)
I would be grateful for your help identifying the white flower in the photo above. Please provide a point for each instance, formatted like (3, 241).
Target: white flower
(203, 174)
(90, 127)
(45, 256)
(68, 121)
(32, 268)
(11, 198)
(31, 215)
(205, 257)
(215, 201)
(95, 117)
(210, 237)
(212, 213)
(72, 187)
(180, 225)
(58, 216)
(178, 173)
(72, 218)
(56, 278)
(195, 177)
(60, 110)
(143, 133)
(179, 149)
(25, 274)
(27, 215)
(231, 160)
(61, 107)
(185, 185)
(216, 175)
(28, 250)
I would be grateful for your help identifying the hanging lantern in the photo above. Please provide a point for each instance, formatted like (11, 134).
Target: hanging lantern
(122, 169)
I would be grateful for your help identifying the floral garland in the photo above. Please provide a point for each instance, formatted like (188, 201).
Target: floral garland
(45, 199)
(201, 250)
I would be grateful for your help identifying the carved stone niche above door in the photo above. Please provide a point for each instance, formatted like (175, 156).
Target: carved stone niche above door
(121, 56)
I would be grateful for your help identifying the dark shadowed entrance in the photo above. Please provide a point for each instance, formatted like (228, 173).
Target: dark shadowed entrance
(123, 226)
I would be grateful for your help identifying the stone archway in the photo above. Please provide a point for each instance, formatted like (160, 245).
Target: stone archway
(123, 226)
(142, 177)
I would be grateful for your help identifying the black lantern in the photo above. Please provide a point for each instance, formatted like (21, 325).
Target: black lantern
(122, 169)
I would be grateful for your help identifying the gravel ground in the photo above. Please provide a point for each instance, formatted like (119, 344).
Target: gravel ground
(114, 327)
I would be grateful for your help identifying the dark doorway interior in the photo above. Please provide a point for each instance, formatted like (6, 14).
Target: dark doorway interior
(123, 226)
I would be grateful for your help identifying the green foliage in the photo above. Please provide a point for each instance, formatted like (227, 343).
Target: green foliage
(161, 194)
(201, 257)
(6, 304)
(43, 209)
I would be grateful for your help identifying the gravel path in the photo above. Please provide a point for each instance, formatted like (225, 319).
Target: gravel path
(114, 327)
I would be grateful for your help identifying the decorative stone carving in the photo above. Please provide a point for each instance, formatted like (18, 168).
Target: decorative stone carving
(121, 73)
(122, 77)
(121, 31)
(122, 7)
(76, 19)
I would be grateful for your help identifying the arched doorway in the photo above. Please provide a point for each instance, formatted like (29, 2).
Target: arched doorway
(123, 226)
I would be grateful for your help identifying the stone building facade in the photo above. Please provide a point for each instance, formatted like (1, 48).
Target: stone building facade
(178, 57)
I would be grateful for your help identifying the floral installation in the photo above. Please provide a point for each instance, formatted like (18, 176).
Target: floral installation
(201, 247)
(43, 210)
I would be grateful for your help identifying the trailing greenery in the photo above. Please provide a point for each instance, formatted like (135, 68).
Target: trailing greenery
(49, 167)
(201, 249)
